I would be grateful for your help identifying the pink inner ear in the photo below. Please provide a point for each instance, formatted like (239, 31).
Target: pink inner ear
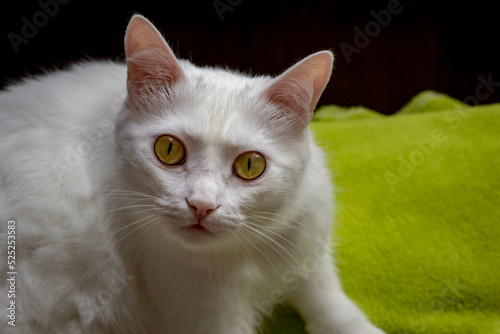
(299, 88)
(292, 94)
(150, 62)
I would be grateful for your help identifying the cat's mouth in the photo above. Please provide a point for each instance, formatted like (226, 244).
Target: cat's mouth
(197, 227)
(195, 232)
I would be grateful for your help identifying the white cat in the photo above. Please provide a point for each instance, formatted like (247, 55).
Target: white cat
(161, 197)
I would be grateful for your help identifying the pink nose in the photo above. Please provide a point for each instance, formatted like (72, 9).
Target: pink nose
(201, 209)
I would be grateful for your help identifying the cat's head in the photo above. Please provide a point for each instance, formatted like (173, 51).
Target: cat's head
(215, 149)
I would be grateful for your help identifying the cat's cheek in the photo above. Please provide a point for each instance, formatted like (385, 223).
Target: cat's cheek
(170, 178)
(170, 173)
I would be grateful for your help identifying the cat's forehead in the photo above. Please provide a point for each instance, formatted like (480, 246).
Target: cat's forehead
(228, 119)
(221, 77)
(215, 103)
(214, 123)
(211, 108)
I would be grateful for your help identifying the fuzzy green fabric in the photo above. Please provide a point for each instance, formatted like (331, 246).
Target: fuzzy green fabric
(417, 231)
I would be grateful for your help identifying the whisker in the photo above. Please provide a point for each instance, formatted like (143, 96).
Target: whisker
(253, 259)
(149, 238)
(234, 248)
(133, 223)
(281, 216)
(149, 222)
(125, 197)
(286, 225)
(278, 235)
(130, 207)
(138, 212)
(273, 248)
(128, 192)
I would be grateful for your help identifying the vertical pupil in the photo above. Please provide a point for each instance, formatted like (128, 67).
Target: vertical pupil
(249, 163)
(170, 148)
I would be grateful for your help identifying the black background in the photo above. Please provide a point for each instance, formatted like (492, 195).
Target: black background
(441, 46)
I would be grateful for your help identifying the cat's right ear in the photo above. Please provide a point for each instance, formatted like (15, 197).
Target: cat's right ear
(151, 63)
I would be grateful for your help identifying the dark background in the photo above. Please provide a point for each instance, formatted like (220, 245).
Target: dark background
(441, 46)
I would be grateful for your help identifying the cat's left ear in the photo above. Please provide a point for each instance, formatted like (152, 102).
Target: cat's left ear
(150, 61)
(297, 91)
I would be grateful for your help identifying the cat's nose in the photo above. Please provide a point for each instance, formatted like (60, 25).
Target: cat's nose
(201, 208)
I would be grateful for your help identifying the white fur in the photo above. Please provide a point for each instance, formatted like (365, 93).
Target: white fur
(94, 256)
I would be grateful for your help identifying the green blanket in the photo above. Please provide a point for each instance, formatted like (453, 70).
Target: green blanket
(417, 232)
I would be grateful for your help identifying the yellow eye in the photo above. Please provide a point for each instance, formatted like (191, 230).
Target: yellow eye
(169, 150)
(249, 165)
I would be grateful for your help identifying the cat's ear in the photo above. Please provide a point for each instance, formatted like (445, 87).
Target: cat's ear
(297, 91)
(150, 61)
